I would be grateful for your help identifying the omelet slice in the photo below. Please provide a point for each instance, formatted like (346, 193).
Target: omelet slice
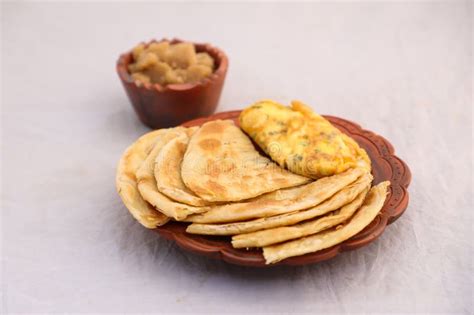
(300, 140)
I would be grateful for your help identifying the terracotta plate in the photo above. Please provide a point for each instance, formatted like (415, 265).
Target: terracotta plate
(385, 166)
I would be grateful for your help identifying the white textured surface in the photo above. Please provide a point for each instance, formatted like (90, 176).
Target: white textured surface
(401, 69)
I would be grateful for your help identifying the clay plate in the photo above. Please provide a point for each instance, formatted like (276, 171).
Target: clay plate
(385, 166)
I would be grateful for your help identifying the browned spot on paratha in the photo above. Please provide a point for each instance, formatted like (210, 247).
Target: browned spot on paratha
(215, 187)
(209, 144)
(219, 155)
(214, 128)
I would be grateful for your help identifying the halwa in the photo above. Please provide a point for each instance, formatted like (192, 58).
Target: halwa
(165, 63)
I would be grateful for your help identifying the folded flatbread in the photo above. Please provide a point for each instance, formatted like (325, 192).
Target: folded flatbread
(369, 210)
(221, 164)
(168, 172)
(281, 201)
(147, 183)
(341, 198)
(286, 233)
(126, 181)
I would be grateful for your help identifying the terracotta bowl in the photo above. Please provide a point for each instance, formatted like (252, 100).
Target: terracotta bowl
(385, 166)
(160, 106)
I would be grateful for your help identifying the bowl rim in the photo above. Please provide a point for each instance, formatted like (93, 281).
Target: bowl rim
(221, 70)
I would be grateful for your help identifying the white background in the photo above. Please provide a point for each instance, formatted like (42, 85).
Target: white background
(403, 70)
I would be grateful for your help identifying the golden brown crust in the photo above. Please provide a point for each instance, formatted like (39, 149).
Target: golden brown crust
(369, 210)
(168, 172)
(147, 183)
(341, 198)
(281, 201)
(286, 233)
(218, 158)
(126, 182)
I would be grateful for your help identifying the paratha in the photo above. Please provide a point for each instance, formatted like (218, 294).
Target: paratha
(147, 183)
(300, 140)
(168, 172)
(369, 210)
(285, 233)
(222, 165)
(126, 181)
(281, 201)
(341, 198)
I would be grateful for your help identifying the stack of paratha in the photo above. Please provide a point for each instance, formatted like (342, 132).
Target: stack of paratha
(214, 178)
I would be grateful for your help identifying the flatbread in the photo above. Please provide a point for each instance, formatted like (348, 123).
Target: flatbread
(341, 198)
(286, 233)
(369, 210)
(281, 201)
(168, 173)
(126, 181)
(147, 183)
(221, 164)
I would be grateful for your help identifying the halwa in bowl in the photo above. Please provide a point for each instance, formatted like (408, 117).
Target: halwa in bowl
(168, 82)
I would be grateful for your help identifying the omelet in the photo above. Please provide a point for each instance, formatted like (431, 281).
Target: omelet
(300, 140)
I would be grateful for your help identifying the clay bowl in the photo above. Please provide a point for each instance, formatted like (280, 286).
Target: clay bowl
(160, 106)
(385, 166)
